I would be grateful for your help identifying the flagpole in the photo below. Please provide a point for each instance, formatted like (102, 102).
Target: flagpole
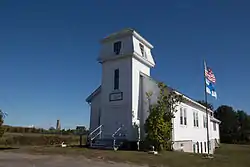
(205, 91)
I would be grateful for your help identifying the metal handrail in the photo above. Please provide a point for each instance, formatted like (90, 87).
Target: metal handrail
(113, 135)
(95, 130)
(96, 135)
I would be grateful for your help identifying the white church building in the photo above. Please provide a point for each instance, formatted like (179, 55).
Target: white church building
(120, 102)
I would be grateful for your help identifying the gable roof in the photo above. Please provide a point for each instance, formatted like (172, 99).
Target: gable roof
(93, 94)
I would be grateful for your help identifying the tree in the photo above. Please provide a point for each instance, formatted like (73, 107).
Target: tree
(209, 105)
(243, 126)
(229, 124)
(2, 114)
(235, 125)
(158, 125)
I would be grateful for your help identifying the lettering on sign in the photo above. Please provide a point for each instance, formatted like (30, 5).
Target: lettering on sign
(115, 96)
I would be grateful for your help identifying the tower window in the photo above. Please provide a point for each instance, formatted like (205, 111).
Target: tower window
(117, 47)
(142, 50)
(116, 79)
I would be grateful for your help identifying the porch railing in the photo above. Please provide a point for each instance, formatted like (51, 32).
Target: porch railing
(95, 133)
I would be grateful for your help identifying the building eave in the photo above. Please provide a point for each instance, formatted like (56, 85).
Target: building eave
(215, 120)
(143, 60)
(184, 96)
(127, 32)
(93, 94)
(192, 101)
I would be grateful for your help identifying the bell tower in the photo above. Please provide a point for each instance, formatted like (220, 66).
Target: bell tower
(124, 56)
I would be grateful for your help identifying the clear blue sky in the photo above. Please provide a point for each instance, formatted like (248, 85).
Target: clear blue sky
(48, 52)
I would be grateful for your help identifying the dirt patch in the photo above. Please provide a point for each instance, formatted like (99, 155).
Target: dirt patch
(28, 160)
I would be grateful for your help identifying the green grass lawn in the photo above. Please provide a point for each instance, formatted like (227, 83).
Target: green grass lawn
(226, 156)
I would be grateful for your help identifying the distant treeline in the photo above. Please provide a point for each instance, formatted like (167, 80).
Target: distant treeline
(235, 124)
(14, 129)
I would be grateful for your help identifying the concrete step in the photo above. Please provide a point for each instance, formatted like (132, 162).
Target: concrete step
(106, 144)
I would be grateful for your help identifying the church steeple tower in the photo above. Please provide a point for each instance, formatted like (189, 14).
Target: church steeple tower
(126, 43)
(124, 56)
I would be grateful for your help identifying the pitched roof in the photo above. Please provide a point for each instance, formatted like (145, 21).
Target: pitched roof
(184, 96)
(93, 94)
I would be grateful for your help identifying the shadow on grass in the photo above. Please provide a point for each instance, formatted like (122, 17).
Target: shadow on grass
(8, 148)
(78, 146)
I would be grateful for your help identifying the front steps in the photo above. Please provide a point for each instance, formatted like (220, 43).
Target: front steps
(107, 144)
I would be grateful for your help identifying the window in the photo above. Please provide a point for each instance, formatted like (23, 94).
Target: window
(142, 50)
(117, 47)
(194, 119)
(198, 150)
(205, 121)
(181, 116)
(116, 79)
(214, 125)
(197, 121)
(205, 146)
(201, 147)
(209, 145)
(185, 116)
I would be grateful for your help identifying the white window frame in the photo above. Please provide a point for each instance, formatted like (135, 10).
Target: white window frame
(181, 116)
(205, 124)
(196, 119)
(185, 116)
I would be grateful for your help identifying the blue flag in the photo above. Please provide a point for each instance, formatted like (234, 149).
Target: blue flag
(210, 81)
(210, 88)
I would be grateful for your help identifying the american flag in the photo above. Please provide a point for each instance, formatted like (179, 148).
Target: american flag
(209, 74)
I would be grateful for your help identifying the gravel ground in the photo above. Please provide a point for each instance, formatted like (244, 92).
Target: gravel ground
(9, 159)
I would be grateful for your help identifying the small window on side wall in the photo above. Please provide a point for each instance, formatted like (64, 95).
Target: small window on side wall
(181, 116)
(116, 79)
(117, 47)
(185, 116)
